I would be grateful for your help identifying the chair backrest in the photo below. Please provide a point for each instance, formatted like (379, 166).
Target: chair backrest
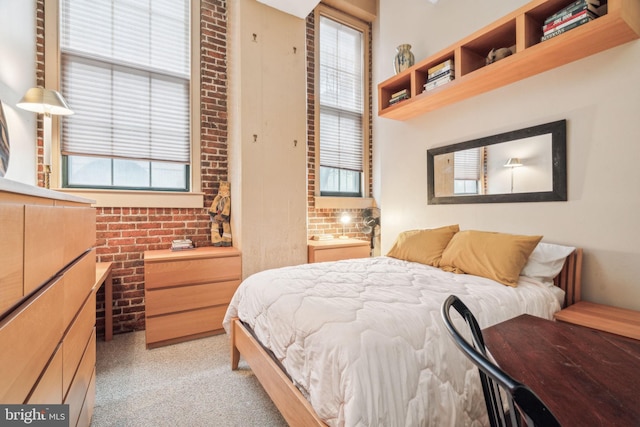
(522, 403)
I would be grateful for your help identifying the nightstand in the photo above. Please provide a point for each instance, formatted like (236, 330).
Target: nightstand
(618, 321)
(187, 292)
(337, 249)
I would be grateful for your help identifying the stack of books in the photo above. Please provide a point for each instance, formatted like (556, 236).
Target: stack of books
(439, 74)
(577, 13)
(399, 96)
(181, 244)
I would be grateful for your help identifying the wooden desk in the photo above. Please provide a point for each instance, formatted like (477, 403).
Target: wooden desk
(586, 377)
(103, 275)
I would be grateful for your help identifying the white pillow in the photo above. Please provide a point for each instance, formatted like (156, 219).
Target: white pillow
(546, 261)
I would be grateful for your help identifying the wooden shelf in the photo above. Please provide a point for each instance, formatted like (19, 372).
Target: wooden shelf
(522, 28)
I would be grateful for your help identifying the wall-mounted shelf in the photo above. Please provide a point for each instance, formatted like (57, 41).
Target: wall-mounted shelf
(522, 28)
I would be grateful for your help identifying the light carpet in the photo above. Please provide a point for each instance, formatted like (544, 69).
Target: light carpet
(187, 384)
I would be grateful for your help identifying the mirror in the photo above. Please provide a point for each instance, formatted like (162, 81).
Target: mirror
(525, 165)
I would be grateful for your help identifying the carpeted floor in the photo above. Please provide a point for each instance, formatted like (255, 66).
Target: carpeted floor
(187, 384)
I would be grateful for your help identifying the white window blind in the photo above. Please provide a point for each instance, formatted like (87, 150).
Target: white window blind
(466, 164)
(126, 74)
(341, 83)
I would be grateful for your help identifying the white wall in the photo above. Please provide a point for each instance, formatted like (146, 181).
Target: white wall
(600, 98)
(17, 74)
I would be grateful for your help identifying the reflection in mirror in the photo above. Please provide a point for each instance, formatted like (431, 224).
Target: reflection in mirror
(520, 166)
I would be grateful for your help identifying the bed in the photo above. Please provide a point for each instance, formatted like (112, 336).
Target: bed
(360, 342)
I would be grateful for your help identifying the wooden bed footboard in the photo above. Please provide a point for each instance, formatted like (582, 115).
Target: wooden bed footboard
(293, 406)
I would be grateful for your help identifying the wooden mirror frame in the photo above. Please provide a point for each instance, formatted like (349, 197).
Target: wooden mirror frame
(558, 131)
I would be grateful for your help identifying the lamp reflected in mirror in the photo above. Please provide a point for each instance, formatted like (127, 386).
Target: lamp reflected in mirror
(512, 163)
(345, 219)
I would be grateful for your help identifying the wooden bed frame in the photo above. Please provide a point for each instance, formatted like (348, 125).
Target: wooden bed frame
(293, 406)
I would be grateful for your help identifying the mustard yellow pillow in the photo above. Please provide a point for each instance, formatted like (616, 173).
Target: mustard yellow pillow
(423, 246)
(497, 256)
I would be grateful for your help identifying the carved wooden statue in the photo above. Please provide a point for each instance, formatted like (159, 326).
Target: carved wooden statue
(220, 212)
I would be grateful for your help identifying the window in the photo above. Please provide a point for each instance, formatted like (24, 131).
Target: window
(342, 104)
(467, 171)
(125, 70)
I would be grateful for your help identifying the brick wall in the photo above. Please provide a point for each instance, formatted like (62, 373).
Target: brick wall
(327, 221)
(123, 234)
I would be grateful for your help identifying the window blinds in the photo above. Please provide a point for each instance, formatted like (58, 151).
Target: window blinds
(125, 73)
(341, 96)
(467, 164)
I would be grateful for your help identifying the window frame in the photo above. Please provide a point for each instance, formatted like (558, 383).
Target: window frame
(344, 202)
(194, 198)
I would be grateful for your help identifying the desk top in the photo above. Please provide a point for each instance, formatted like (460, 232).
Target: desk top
(585, 377)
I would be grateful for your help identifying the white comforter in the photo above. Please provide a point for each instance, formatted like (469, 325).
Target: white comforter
(364, 341)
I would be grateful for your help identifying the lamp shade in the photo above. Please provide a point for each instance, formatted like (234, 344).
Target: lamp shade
(44, 101)
(513, 162)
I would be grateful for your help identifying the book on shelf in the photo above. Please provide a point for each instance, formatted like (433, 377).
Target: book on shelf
(578, 6)
(568, 20)
(437, 82)
(400, 93)
(397, 99)
(571, 26)
(440, 67)
(443, 73)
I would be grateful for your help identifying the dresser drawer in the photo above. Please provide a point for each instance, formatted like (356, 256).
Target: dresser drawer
(182, 298)
(80, 231)
(43, 257)
(49, 387)
(191, 271)
(84, 420)
(78, 283)
(76, 340)
(178, 325)
(11, 253)
(32, 332)
(81, 383)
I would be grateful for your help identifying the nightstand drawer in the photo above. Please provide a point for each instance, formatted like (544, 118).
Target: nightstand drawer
(182, 325)
(337, 249)
(185, 272)
(182, 298)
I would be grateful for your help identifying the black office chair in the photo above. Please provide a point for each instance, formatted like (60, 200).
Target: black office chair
(523, 403)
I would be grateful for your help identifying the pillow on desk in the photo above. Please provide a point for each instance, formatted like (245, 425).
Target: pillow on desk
(496, 256)
(546, 261)
(423, 246)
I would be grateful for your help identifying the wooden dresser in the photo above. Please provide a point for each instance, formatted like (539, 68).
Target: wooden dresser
(187, 292)
(47, 299)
